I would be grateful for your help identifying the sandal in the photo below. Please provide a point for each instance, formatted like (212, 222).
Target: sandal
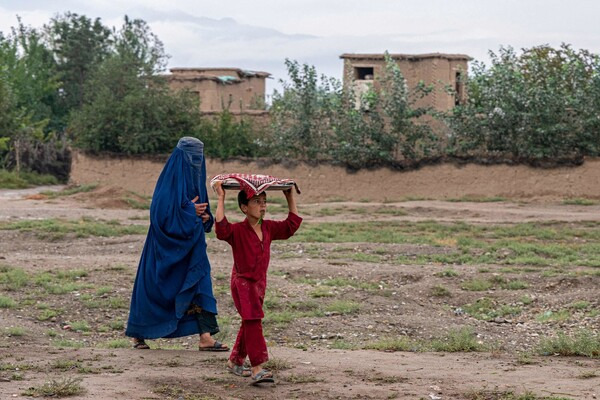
(140, 344)
(217, 346)
(240, 370)
(264, 376)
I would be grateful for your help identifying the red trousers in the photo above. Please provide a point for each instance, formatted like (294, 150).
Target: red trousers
(250, 342)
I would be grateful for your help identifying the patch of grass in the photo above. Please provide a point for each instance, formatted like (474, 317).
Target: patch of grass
(14, 278)
(309, 305)
(117, 344)
(356, 283)
(47, 314)
(68, 343)
(578, 201)
(580, 305)
(80, 326)
(440, 291)
(62, 387)
(277, 364)
(104, 290)
(342, 307)
(515, 285)
(457, 340)
(22, 180)
(321, 292)
(554, 316)
(401, 343)
(339, 344)
(525, 359)
(588, 375)
(71, 190)
(7, 302)
(477, 199)
(365, 257)
(583, 343)
(65, 365)
(117, 325)
(477, 285)
(526, 300)
(15, 331)
(526, 244)
(137, 204)
(447, 273)
(116, 303)
(498, 395)
(486, 309)
(393, 211)
(56, 229)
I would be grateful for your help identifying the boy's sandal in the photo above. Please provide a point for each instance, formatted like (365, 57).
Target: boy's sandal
(140, 344)
(264, 376)
(218, 346)
(240, 370)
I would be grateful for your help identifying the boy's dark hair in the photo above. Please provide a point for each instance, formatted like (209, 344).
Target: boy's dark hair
(243, 199)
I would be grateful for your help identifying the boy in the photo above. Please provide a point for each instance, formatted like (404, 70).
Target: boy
(250, 241)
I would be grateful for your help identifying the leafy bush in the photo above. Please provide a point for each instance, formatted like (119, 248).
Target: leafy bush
(539, 105)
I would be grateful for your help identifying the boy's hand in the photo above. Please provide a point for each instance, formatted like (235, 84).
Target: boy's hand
(205, 217)
(219, 189)
(200, 207)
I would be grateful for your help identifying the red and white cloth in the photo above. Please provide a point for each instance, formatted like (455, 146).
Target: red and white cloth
(252, 184)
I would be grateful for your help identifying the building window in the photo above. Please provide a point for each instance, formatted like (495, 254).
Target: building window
(459, 89)
(363, 73)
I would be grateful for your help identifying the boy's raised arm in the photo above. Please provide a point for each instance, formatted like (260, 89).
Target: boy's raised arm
(220, 213)
(291, 200)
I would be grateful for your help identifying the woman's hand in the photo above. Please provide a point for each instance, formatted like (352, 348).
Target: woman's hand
(200, 208)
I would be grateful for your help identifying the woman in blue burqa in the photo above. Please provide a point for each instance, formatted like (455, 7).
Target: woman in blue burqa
(172, 295)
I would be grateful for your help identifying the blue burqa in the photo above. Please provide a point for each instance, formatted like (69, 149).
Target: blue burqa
(174, 270)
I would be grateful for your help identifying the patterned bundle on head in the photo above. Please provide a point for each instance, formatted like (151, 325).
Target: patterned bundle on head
(254, 184)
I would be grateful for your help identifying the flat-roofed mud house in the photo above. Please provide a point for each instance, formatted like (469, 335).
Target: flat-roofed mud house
(240, 91)
(435, 68)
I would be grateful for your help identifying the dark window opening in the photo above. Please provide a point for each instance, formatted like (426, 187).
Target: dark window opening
(364, 73)
(459, 89)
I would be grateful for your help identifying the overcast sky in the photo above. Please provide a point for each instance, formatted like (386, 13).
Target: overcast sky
(260, 34)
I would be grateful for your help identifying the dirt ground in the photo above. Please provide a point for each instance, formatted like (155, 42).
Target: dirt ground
(314, 356)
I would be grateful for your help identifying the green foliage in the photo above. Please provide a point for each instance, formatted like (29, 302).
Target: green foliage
(226, 138)
(302, 114)
(539, 105)
(127, 108)
(584, 343)
(13, 180)
(79, 44)
(318, 119)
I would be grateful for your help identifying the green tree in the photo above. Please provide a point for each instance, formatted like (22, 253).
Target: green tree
(127, 107)
(302, 114)
(537, 105)
(79, 44)
(226, 138)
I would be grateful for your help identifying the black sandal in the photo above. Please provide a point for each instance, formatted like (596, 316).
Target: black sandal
(218, 346)
(140, 344)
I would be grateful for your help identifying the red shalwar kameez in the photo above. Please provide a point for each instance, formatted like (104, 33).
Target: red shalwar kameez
(249, 279)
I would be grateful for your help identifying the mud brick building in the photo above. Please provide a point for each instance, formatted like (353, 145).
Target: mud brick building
(240, 91)
(438, 69)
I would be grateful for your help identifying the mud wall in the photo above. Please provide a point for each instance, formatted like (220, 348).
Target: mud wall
(322, 183)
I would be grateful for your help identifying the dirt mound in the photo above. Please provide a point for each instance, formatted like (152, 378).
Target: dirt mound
(113, 197)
